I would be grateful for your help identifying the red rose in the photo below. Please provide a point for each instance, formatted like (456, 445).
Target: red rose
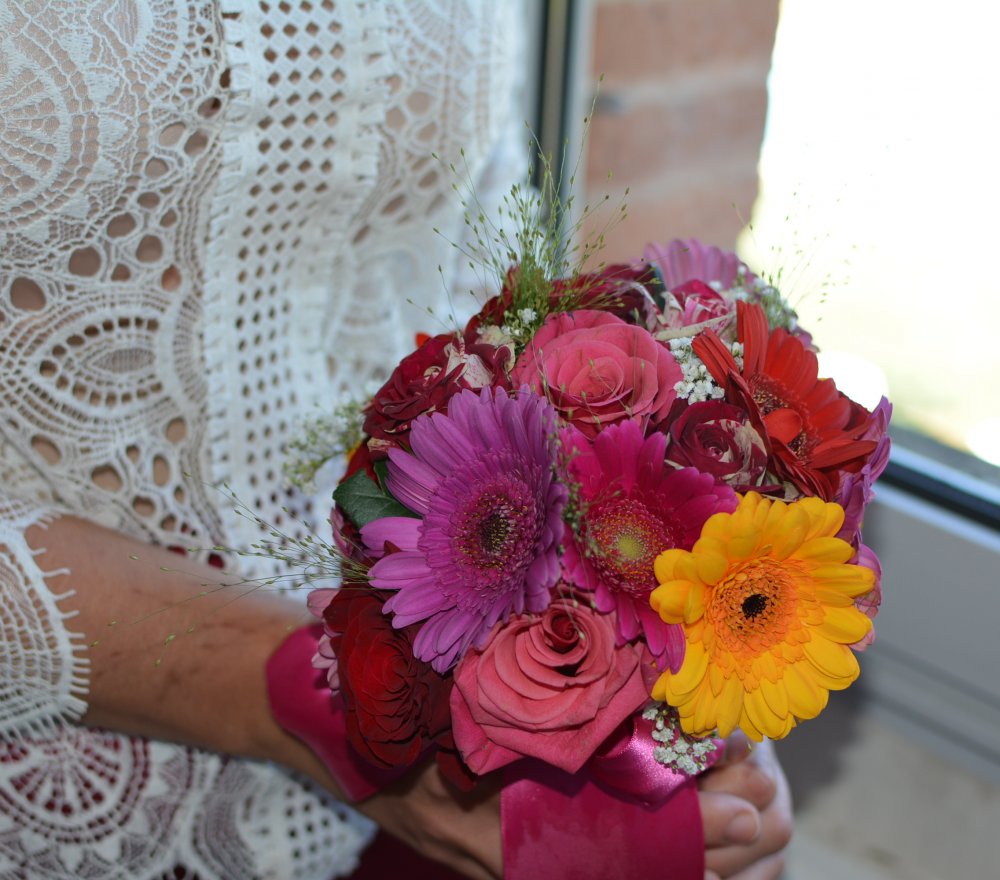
(718, 438)
(418, 385)
(423, 382)
(397, 706)
(619, 289)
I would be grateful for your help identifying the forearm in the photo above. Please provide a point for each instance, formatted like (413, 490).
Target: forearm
(173, 653)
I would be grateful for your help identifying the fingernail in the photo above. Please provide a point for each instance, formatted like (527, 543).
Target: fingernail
(738, 747)
(743, 827)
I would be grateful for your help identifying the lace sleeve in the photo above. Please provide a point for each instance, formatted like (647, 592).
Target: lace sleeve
(43, 672)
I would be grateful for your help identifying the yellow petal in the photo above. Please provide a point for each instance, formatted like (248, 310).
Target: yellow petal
(712, 566)
(659, 690)
(694, 608)
(828, 596)
(838, 575)
(836, 661)
(716, 528)
(776, 698)
(744, 544)
(826, 519)
(826, 550)
(768, 667)
(806, 699)
(786, 535)
(761, 510)
(664, 564)
(670, 599)
(705, 715)
(691, 673)
(852, 580)
(748, 727)
(729, 706)
(844, 625)
(761, 715)
(717, 678)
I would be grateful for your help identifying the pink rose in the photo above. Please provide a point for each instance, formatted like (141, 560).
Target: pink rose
(597, 370)
(698, 302)
(550, 686)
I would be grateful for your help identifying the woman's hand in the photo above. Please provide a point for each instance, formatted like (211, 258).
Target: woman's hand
(746, 812)
(745, 803)
(461, 830)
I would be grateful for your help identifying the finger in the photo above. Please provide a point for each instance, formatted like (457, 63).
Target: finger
(746, 779)
(728, 820)
(735, 748)
(763, 855)
(769, 868)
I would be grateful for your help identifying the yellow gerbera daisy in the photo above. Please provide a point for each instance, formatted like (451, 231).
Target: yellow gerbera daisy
(766, 601)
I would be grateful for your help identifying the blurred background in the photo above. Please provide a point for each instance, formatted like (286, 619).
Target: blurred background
(848, 152)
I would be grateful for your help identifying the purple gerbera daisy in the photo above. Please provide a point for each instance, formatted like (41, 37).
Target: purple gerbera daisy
(482, 479)
(634, 506)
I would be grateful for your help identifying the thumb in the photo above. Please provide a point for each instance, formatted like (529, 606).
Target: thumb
(727, 819)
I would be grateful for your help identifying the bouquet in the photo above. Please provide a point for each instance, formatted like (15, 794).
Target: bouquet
(612, 518)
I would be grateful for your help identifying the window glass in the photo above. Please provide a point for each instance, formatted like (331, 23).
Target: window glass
(879, 203)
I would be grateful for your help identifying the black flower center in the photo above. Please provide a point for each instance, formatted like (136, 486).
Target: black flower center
(754, 605)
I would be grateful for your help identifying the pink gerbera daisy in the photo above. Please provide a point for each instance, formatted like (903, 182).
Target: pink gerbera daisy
(634, 506)
(482, 480)
(690, 260)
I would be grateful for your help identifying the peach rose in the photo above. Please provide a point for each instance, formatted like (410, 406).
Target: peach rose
(552, 686)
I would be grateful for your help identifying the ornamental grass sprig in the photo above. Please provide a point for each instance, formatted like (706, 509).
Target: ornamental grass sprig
(532, 239)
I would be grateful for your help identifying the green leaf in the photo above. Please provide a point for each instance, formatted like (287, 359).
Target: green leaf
(381, 468)
(363, 501)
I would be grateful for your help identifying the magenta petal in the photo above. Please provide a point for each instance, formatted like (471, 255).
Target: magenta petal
(403, 531)
(665, 640)
(418, 602)
(410, 481)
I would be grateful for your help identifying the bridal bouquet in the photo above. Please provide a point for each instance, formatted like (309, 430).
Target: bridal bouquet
(613, 496)
(611, 519)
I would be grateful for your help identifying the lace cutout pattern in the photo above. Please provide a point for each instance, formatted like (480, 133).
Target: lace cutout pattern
(43, 672)
(212, 215)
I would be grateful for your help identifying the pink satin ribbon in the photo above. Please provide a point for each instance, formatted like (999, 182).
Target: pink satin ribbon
(623, 815)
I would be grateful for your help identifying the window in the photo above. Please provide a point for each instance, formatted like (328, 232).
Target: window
(877, 193)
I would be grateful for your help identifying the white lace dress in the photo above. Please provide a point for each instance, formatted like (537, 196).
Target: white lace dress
(212, 215)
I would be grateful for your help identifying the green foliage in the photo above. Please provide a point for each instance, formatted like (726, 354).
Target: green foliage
(363, 500)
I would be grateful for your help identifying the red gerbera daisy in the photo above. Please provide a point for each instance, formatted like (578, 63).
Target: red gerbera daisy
(812, 428)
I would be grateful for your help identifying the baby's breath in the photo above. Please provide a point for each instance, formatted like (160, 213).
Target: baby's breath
(320, 439)
(677, 750)
(697, 384)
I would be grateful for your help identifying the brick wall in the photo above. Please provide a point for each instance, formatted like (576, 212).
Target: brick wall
(680, 117)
